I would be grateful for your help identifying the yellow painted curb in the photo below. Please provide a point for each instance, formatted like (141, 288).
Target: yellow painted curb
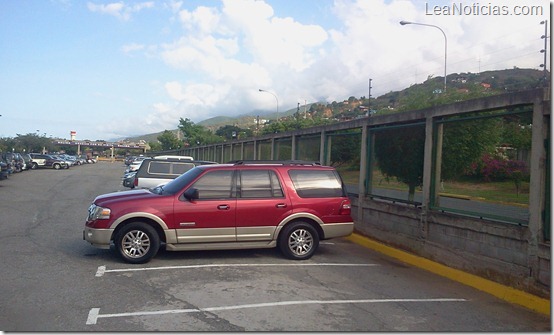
(506, 293)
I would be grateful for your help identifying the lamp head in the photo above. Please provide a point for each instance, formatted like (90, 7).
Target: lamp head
(404, 23)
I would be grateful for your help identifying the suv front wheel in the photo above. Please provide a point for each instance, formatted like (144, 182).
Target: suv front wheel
(137, 242)
(298, 241)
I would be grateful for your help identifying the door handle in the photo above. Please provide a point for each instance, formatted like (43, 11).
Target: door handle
(223, 207)
(281, 205)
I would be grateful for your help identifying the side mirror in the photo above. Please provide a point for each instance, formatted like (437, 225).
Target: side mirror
(191, 194)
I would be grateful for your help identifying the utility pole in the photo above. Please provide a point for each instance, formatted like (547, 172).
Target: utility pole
(369, 99)
(544, 51)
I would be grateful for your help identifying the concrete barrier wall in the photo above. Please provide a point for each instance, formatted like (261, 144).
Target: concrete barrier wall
(492, 250)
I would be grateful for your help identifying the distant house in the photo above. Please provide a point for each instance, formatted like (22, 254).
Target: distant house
(460, 79)
(486, 86)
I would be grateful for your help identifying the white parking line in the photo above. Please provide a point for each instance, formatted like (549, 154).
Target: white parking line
(94, 313)
(102, 269)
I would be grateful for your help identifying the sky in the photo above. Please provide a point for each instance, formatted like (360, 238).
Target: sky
(114, 69)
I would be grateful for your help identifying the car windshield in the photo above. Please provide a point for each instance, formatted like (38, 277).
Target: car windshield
(177, 184)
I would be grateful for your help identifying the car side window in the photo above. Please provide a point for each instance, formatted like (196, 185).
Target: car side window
(215, 185)
(158, 168)
(316, 184)
(180, 168)
(260, 184)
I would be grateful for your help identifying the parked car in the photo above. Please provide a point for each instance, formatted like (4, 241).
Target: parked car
(3, 170)
(7, 165)
(291, 205)
(135, 164)
(155, 172)
(129, 179)
(73, 159)
(47, 161)
(129, 159)
(27, 161)
(68, 163)
(89, 159)
(14, 160)
(20, 162)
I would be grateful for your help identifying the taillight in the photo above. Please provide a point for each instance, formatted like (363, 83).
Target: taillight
(345, 207)
(135, 182)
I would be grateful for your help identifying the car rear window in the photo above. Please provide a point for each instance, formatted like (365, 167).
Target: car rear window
(316, 183)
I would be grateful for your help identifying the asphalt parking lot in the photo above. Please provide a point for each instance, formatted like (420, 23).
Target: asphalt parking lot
(52, 280)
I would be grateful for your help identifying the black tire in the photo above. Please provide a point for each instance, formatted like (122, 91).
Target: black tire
(56, 166)
(137, 242)
(298, 241)
(34, 166)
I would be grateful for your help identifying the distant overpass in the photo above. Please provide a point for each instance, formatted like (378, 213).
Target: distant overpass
(99, 144)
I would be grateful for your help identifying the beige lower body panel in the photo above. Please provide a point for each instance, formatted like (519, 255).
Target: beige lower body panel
(221, 246)
(331, 230)
(206, 235)
(249, 234)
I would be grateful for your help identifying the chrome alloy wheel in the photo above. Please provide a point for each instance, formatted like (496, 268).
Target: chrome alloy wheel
(300, 242)
(135, 243)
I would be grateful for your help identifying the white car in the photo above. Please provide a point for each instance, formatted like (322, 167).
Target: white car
(135, 165)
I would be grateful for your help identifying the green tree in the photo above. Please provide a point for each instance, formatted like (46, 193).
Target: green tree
(155, 146)
(465, 142)
(195, 134)
(274, 127)
(30, 142)
(169, 141)
(517, 131)
(232, 132)
(345, 149)
(190, 130)
(399, 154)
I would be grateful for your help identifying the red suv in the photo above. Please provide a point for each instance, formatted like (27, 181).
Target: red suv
(242, 205)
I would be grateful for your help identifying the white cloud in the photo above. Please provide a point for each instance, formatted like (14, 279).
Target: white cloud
(132, 47)
(175, 90)
(225, 54)
(236, 50)
(203, 20)
(119, 9)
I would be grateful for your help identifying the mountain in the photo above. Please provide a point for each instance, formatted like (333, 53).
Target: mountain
(466, 85)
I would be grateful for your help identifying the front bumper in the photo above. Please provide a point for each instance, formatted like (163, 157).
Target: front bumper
(99, 238)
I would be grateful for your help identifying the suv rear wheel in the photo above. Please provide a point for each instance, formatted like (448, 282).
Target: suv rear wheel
(137, 242)
(298, 241)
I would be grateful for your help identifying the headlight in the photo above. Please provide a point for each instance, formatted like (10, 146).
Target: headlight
(97, 213)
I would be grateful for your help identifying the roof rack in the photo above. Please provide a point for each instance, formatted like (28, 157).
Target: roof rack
(275, 162)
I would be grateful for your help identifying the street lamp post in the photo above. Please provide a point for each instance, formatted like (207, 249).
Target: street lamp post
(445, 43)
(277, 100)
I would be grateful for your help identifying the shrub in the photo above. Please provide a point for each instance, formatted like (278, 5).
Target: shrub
(491, 168)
